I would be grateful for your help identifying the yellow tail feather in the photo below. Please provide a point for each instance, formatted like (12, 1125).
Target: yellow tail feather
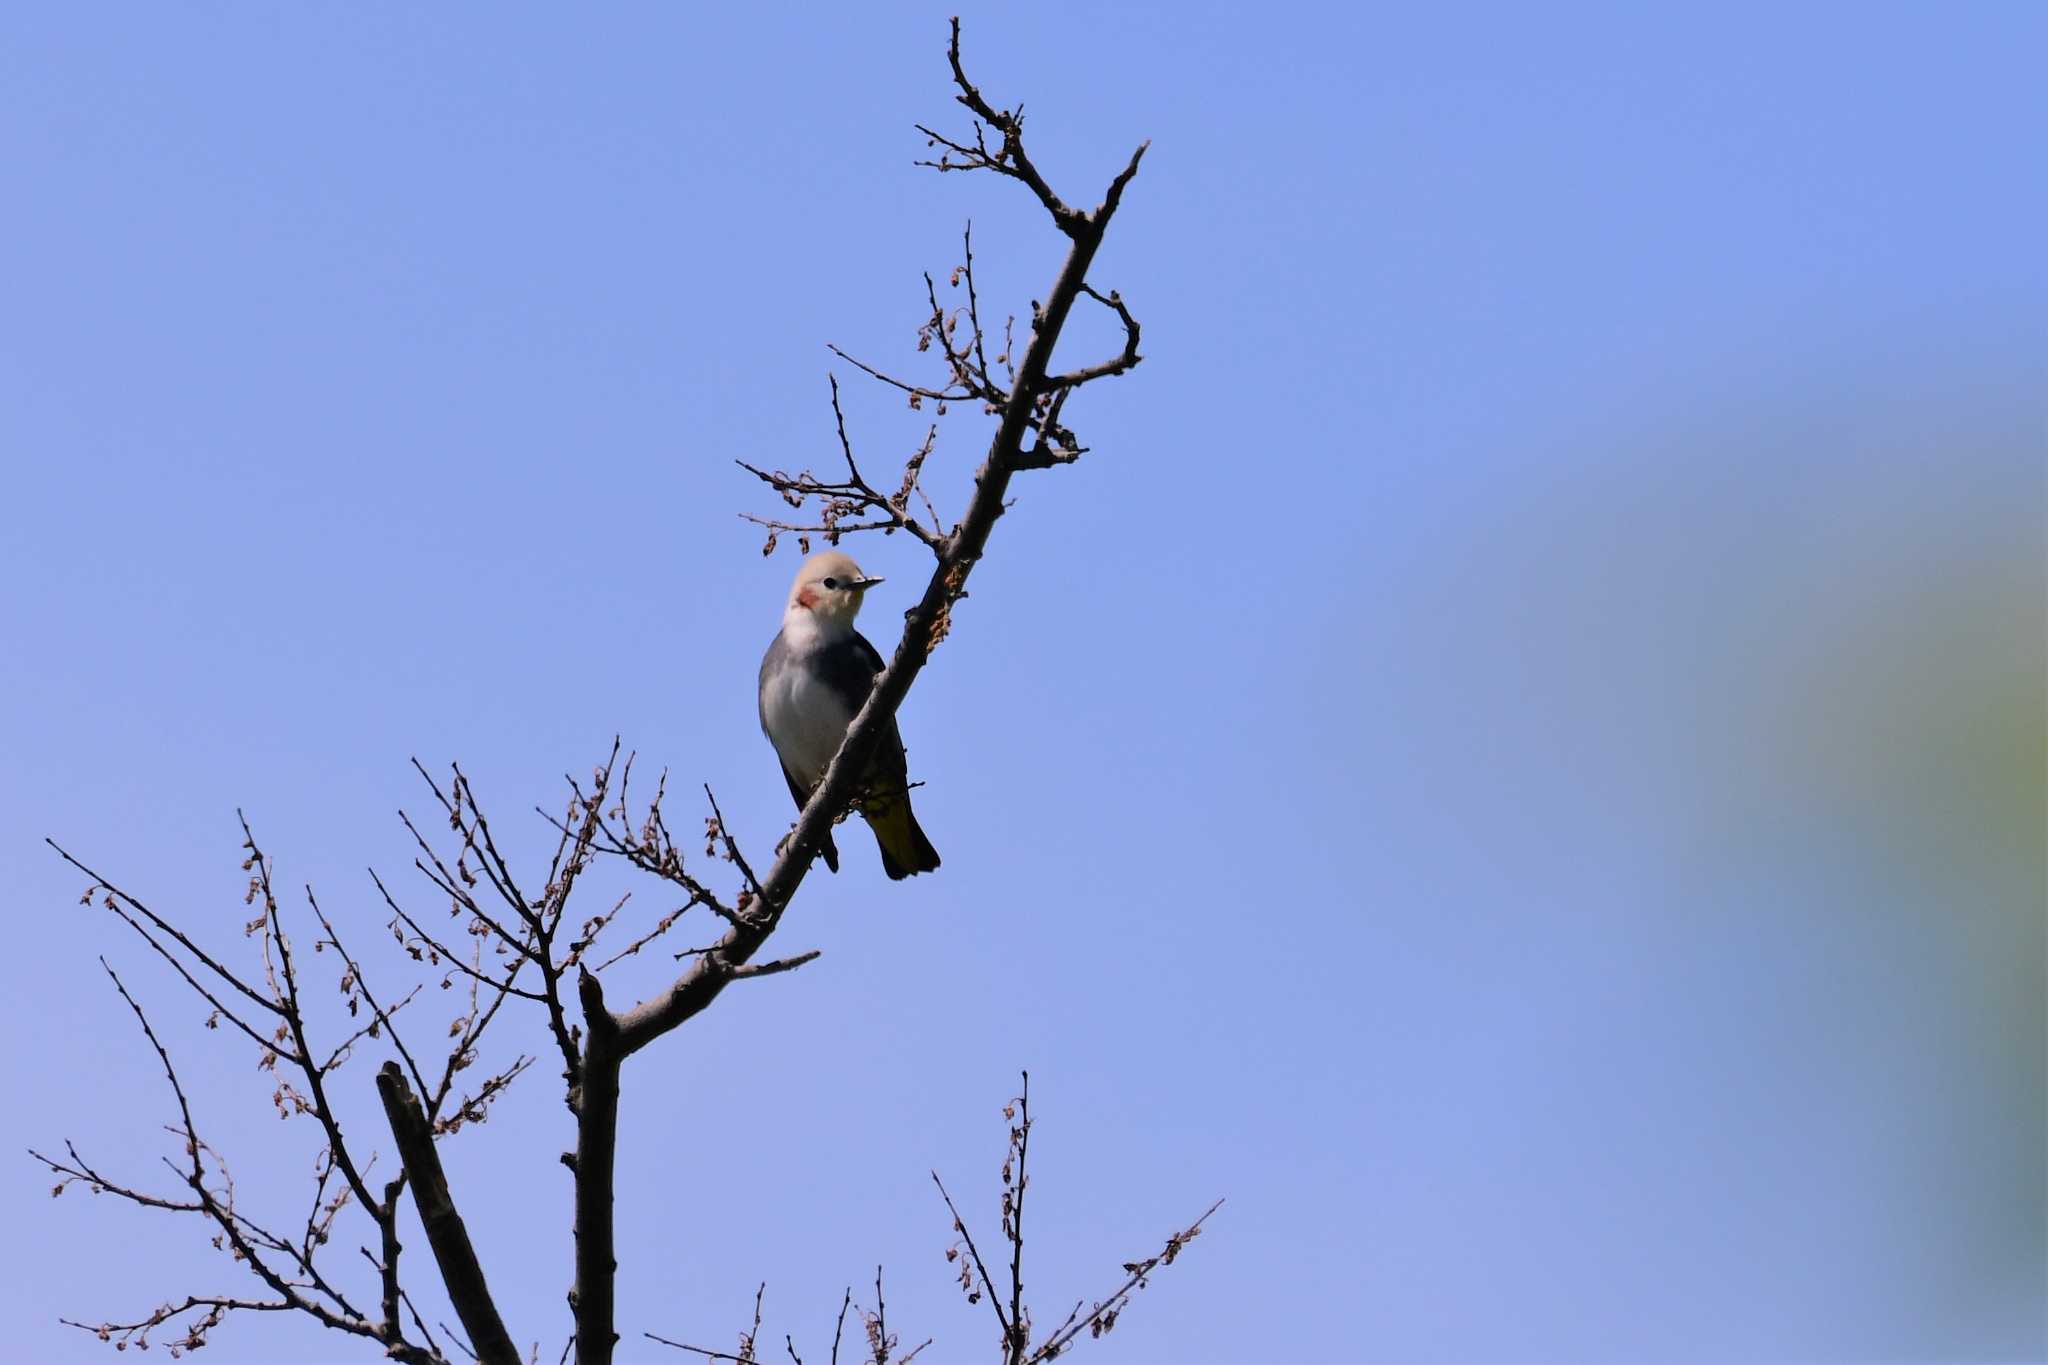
(905, 850)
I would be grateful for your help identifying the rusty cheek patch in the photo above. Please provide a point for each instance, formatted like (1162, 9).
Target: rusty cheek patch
(807, 598)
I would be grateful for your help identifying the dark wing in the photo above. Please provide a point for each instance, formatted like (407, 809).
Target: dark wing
(886, 801)
(851, 671)
(868, 651)
(830, 850)
(796, 789)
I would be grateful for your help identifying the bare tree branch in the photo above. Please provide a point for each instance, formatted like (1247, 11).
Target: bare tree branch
(1116, 364)
(851, 497)
(596, 1103)
(1104, 1315)
(301, 1288)
(926, 622)
(446, 1234)
(114, 893)
(510, 938)
(986, 1284)
(1010, 159)
(787, 964)
(975, 1278)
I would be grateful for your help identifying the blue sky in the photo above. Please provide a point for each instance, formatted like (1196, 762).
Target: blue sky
(1517, 760)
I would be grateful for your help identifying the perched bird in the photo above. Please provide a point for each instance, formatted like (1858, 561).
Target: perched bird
(814, 680)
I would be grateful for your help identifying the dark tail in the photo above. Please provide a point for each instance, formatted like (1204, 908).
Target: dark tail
(905, 850)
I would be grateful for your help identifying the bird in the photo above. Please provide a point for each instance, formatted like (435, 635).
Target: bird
(815, 677)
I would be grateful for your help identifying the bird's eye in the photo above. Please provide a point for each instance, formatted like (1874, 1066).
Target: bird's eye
(831, 585)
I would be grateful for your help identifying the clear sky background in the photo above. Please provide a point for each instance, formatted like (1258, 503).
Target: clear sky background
(1518, 759)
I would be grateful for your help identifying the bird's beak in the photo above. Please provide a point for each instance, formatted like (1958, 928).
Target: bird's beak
(863, 584)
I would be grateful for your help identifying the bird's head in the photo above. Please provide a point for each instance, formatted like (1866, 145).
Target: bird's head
(829, 588)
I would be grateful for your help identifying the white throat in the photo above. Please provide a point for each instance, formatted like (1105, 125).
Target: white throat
(807, 629)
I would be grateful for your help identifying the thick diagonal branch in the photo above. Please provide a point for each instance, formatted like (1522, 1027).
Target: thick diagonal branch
(963, 548)
(460, 1270)
(610, 1037)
